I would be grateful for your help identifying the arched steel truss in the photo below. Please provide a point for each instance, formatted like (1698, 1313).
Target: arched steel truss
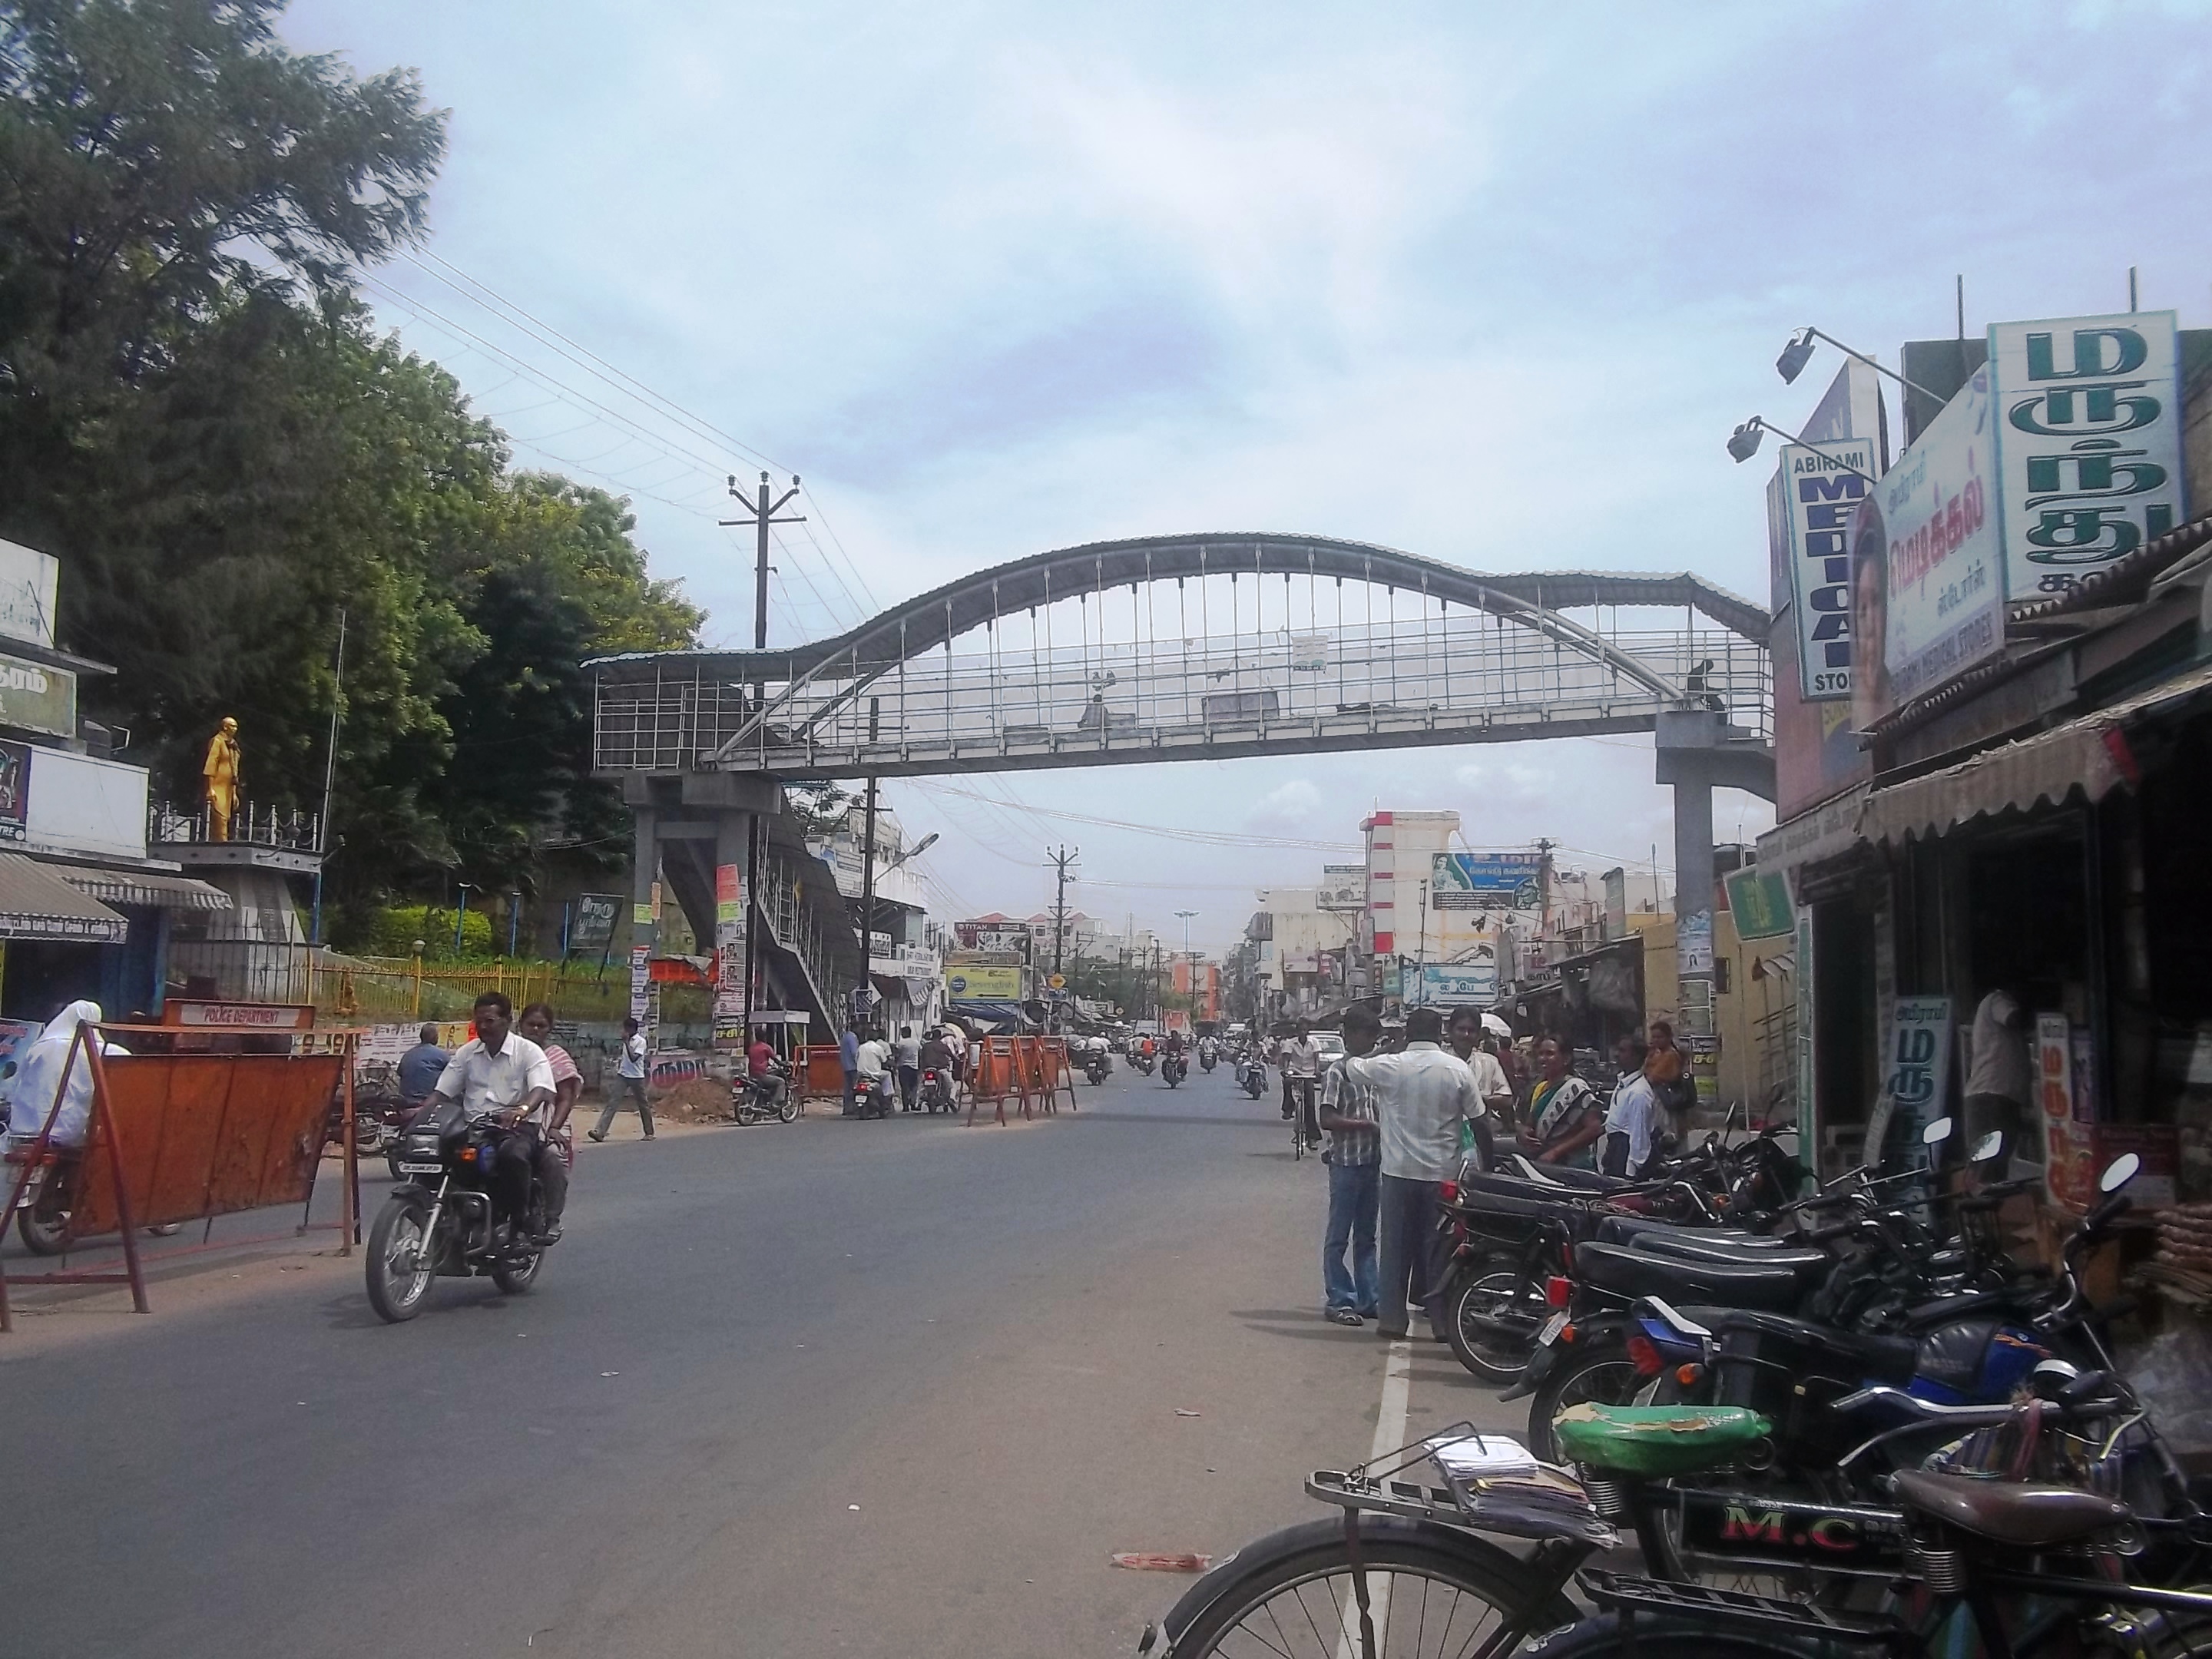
(799, 692)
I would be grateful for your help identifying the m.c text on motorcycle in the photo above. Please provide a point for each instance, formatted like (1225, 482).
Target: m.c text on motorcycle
(500, 1078)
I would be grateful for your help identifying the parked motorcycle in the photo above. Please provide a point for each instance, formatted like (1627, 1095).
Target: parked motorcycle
(440, 1223)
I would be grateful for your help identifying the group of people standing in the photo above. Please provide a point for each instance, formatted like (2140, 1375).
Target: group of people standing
(1399, 1125)
(875, 1062)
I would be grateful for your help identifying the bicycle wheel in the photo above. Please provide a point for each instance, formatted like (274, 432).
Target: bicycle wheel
(1430, 1592)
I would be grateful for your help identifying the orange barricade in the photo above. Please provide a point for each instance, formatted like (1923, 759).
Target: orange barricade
(1059, 1074)
(188, 1137)
(997, 1075)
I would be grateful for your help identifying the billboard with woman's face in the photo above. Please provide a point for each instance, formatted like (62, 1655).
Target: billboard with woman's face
(1927, 561)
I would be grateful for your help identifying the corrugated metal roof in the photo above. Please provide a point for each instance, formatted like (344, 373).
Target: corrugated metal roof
(36, 903)
(156, 888)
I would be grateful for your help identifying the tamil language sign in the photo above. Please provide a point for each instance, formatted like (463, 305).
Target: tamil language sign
(34, 698)
(1927, 561)
(729, 957)
(2089, 454)
(1462, 984)
(1343, 887)
(1822, 486)
(1486, 881)
(593, 928)
(973, 984)
(1759, 902)
(1919, 1058)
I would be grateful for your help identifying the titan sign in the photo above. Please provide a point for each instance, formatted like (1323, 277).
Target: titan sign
(2089, 444)
(1822, 485)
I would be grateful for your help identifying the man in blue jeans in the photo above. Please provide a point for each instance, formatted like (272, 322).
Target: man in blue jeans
(1355, 1162)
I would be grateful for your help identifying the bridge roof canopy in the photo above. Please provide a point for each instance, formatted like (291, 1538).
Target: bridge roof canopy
(931, 620)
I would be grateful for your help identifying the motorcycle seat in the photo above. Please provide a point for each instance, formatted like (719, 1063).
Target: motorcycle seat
(1656, 1440)
(1875, 1358)
(1678, 1280)
(1691, 1247)
(2026, 1514)
(1634, 1229)
(1560, 1174)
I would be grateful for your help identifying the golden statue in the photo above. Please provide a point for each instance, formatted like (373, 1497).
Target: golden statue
(221, 771)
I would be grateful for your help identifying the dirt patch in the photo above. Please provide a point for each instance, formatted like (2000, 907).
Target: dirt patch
(695, 1100)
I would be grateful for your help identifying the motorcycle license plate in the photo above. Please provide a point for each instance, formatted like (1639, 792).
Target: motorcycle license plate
(1550, 1334)
(421, 1169)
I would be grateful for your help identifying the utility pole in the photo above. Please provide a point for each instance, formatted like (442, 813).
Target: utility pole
(1062, 858)
(761, 514)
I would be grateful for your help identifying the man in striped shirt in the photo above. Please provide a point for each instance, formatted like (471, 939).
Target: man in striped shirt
(1355, 1161)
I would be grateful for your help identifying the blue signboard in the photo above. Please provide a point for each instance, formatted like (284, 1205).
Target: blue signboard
(1486, 881)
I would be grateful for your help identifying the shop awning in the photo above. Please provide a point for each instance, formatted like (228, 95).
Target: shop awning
(154, 888)
(35, 902)
(2089, 753)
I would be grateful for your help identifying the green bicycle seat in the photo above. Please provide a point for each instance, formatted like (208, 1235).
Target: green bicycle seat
(1656, 1440)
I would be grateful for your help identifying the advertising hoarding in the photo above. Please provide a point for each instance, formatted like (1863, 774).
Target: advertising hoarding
(1927, 563)
(2089, 425)
(15, 791)
(1342, 887)
(1486, 881)
(30, 582)
(1456, 984)
(971, 984)
(34, 698)
(1822, 485)
(592, 927)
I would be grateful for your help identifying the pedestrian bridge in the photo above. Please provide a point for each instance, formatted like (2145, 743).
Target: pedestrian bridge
(1200, 647)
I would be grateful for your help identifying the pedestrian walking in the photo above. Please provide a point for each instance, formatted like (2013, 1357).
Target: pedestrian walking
(849, 1056)
(629, 1083)
(1422, 1096)
(1354, 1156)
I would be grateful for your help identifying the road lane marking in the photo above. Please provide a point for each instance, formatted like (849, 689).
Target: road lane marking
(1389, 1434)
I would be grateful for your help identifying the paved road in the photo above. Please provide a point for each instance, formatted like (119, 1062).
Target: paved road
(895, 1388)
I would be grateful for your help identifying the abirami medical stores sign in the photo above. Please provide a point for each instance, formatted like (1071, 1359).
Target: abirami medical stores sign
(1822, 485)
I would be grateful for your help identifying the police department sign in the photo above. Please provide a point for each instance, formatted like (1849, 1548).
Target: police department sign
(1822, 485)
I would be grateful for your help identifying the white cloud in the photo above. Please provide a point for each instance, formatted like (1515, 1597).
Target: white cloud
(1296, 802)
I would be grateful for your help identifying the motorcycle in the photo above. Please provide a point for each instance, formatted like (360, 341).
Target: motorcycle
(1142, 1062)
(1173, 1069)
(1207, 1056)
(877, 1099)
(757, 1099)
(1252, 1077)
(440, 1223)
(1096, 1065)
(936, 1090)
(42, 1214)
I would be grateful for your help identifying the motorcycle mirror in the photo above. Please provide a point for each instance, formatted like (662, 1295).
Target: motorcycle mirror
(2120, 1171)
(1936, 1133)
(1989, 1148)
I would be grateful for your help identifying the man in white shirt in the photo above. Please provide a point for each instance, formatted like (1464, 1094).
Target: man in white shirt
(1632, 1119)
(1300, 1058)
(501, 1079)
(875, 1064)
(906, 1053)
(629, 1083)
(2000, 1077)
(1422, 1096)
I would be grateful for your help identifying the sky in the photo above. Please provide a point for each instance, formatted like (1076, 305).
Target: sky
(1488, 283)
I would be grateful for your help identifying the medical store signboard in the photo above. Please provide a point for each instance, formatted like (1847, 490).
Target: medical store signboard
(2089, 444)
(1822, 485)
(1927, 560)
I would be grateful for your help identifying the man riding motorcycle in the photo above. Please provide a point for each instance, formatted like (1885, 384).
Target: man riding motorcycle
(502, 1077)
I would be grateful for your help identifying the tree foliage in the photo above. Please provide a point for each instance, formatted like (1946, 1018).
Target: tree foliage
(198, 417)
